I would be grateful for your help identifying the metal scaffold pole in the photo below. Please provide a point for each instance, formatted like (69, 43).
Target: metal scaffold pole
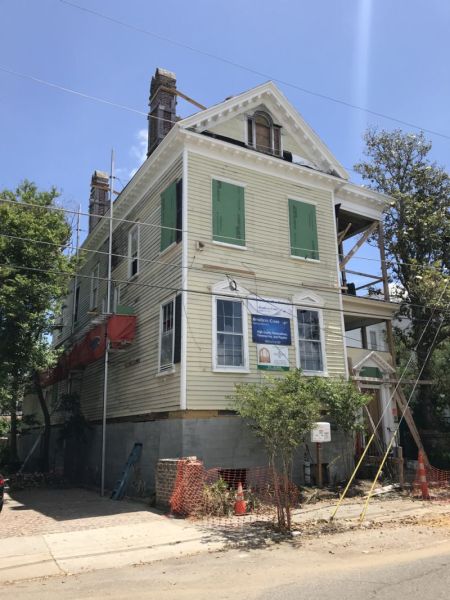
(108, 310)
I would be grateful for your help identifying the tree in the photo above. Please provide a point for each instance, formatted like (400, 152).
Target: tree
(280, 411)
(417, 232)
(34, 271)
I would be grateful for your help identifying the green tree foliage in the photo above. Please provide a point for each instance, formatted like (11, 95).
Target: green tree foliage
(417, 231)
(280, 412)
(34, 272)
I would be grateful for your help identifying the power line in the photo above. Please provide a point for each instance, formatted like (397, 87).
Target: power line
(388, 262)
(72, 91)
(175, 289)
(254, 71)
(105, 101)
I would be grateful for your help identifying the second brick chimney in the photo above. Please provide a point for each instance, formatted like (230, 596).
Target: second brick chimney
(99, 198)
(162, 103)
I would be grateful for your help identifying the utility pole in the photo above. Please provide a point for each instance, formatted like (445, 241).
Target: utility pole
(108, 311)
(75, 279)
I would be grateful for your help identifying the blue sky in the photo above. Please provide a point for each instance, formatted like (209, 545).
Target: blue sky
(391, 57)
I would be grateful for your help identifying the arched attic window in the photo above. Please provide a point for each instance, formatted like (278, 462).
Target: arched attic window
(262, 134)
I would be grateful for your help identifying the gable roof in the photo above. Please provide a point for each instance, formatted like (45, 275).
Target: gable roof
(374, 357)
(285, 113)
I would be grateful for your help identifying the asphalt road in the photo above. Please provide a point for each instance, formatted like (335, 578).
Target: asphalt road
(408, 562)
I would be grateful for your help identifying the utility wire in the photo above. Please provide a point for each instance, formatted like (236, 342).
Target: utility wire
(253, 71)
(105, 217)
(387, 405)
(172, 288)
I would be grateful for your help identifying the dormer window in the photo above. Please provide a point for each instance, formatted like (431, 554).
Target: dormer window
(262, 134)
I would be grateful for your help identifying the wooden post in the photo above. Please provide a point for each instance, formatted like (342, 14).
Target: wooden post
(319, 465)
(364, 337)
(401, 472)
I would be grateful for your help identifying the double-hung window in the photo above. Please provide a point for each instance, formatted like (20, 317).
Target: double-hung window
(310, 350)
(230, 338)
(170, 334)
(228, 209)
(95, 282)
(133, 251)
(171, 215)
(303, 230)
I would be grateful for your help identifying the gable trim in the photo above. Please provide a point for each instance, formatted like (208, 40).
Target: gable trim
(384, 366)
(246, 101)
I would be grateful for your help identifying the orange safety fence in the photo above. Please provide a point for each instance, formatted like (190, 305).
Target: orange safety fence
(229, 495)
(430, 482)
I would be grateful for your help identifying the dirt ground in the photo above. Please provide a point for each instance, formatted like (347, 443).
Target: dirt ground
(42, 511)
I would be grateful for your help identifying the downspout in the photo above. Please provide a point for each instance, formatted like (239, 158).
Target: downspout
(184, 283)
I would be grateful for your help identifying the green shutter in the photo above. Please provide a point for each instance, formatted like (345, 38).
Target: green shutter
(303, 229)
(168, 216)
(228, 213)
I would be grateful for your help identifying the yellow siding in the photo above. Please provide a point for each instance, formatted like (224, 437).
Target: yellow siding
(268, 255)
(235, 129)
(135, 387)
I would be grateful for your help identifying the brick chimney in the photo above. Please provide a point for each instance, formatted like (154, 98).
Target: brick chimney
(162, 103)
(99, 198)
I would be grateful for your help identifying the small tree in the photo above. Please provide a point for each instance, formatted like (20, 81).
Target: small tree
(280, 412)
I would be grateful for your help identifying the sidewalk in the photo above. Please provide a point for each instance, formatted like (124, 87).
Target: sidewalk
(102, 548)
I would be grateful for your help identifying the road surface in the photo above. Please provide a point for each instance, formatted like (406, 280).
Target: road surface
(409, 561)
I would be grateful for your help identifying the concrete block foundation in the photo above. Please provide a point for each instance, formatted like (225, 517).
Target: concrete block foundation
(223, 441)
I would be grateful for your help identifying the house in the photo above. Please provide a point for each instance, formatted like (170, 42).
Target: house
(227, 260)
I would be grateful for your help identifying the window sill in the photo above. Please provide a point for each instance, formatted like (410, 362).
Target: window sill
(133, 277)
(314, 373)
(169, 248)
(304, 259)
(170, 371)
(227, 245)
(231, 370)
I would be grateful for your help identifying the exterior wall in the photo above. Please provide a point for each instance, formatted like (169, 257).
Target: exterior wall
(224, 442)
(235, 128)
(135, 386)
(276, 274)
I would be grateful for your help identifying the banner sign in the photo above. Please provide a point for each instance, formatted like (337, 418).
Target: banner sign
(271, 307)
(274, 358)
(271, 330)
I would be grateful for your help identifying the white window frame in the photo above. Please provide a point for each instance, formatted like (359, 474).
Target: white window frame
(373, 337)
(170, 367)
(116, 297)
(131, 232)
(222, 291)
(308, 300)
(251, 117)
(95, 287)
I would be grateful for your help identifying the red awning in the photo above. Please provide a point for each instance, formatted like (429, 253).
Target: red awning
(120, 329)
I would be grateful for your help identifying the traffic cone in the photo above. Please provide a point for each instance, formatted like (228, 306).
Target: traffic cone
(422, 477)
(240, 506)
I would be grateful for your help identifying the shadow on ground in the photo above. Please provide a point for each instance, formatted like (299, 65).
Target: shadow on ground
(70, 503)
